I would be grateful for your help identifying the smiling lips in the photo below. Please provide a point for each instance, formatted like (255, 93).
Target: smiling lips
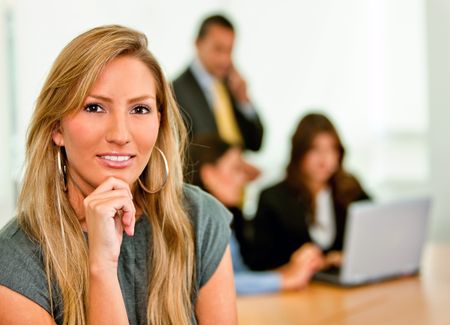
(116, 160)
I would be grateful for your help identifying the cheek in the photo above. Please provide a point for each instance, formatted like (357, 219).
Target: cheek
(145, 137)
(154, 132)
(309, 163)
(333, 161)
(78, 135)
(227, 175)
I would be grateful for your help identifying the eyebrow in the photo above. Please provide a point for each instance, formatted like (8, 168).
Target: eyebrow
(132, 100)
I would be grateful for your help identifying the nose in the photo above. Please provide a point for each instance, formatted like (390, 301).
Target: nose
(118, 131)
(225, 58)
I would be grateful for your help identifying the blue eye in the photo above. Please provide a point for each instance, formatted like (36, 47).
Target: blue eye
(140, 109)
(94, 108)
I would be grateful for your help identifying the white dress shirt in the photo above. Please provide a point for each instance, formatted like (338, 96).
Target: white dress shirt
(323, 231)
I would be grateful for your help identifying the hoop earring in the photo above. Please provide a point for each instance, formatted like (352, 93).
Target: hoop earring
(62, 170)
(166, 176)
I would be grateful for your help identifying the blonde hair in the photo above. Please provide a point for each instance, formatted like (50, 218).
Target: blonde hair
(44, 211)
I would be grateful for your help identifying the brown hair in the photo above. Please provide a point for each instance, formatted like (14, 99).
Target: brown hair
(214, 20)
(44, 210)
(205, 149)
(343, 185)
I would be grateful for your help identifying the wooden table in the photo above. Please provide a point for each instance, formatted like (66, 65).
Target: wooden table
(423, 299)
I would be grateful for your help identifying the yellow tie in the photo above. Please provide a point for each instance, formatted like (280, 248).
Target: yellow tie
(223, 113)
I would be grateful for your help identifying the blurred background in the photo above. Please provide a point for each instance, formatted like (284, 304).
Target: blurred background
(380, 69)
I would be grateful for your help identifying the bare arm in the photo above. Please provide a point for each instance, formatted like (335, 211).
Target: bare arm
(216, 302)
(16, 309)
(109, 212)
(106, 305)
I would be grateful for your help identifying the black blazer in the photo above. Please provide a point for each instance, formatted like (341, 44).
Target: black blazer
(199, 117)
(280, 226)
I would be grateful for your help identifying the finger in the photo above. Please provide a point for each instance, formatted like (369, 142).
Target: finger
(112, 183)
(312, 252)
(111, 194)
(129, 227)
(109, 205)
(317, 264)
(118, 223)
(98, 201)
(126, 219)
(314, 261)
(124, 216)
(129, 219)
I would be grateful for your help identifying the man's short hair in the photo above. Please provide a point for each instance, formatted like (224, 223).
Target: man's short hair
(214, 20)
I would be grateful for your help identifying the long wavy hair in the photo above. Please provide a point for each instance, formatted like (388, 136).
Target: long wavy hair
(344, 186)
(44, 210)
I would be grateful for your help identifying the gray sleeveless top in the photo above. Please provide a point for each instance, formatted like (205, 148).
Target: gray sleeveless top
(22, 268)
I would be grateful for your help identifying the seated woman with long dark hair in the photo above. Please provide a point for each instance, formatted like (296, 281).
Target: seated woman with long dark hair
(220, 169)
(309, 206)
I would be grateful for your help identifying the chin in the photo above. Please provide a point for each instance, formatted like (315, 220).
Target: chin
(126, 178)
(323, 179)
(221, 74)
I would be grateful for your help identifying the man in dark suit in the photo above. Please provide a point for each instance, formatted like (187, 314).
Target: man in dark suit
(211, 93)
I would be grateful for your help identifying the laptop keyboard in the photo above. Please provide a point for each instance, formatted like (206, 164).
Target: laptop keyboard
(334, 270)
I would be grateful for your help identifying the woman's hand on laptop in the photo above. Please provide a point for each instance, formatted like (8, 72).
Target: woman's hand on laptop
(304, 262)
(333, 258)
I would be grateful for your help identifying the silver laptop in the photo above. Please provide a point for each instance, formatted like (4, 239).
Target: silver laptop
(381, 241)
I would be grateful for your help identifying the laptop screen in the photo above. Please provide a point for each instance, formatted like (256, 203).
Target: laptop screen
(384, 239)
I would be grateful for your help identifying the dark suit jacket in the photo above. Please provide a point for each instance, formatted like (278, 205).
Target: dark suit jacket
(280, 226)
(199, 117)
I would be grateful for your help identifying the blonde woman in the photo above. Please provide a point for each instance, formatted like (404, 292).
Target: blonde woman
(106, 232)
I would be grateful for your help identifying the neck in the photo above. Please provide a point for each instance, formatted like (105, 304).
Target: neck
(76, 199)
(316, 187)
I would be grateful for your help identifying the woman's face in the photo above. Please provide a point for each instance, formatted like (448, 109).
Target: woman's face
(322, 159)
(113, 134)
(227, 177)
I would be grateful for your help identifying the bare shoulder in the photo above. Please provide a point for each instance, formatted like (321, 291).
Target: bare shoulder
(216, 302)
(16, 309)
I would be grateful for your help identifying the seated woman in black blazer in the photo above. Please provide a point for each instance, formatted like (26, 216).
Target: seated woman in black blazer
(309, 206)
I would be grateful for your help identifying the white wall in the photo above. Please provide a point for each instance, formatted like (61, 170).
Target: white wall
(6, 188)
(438, 14)
(360, 61)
